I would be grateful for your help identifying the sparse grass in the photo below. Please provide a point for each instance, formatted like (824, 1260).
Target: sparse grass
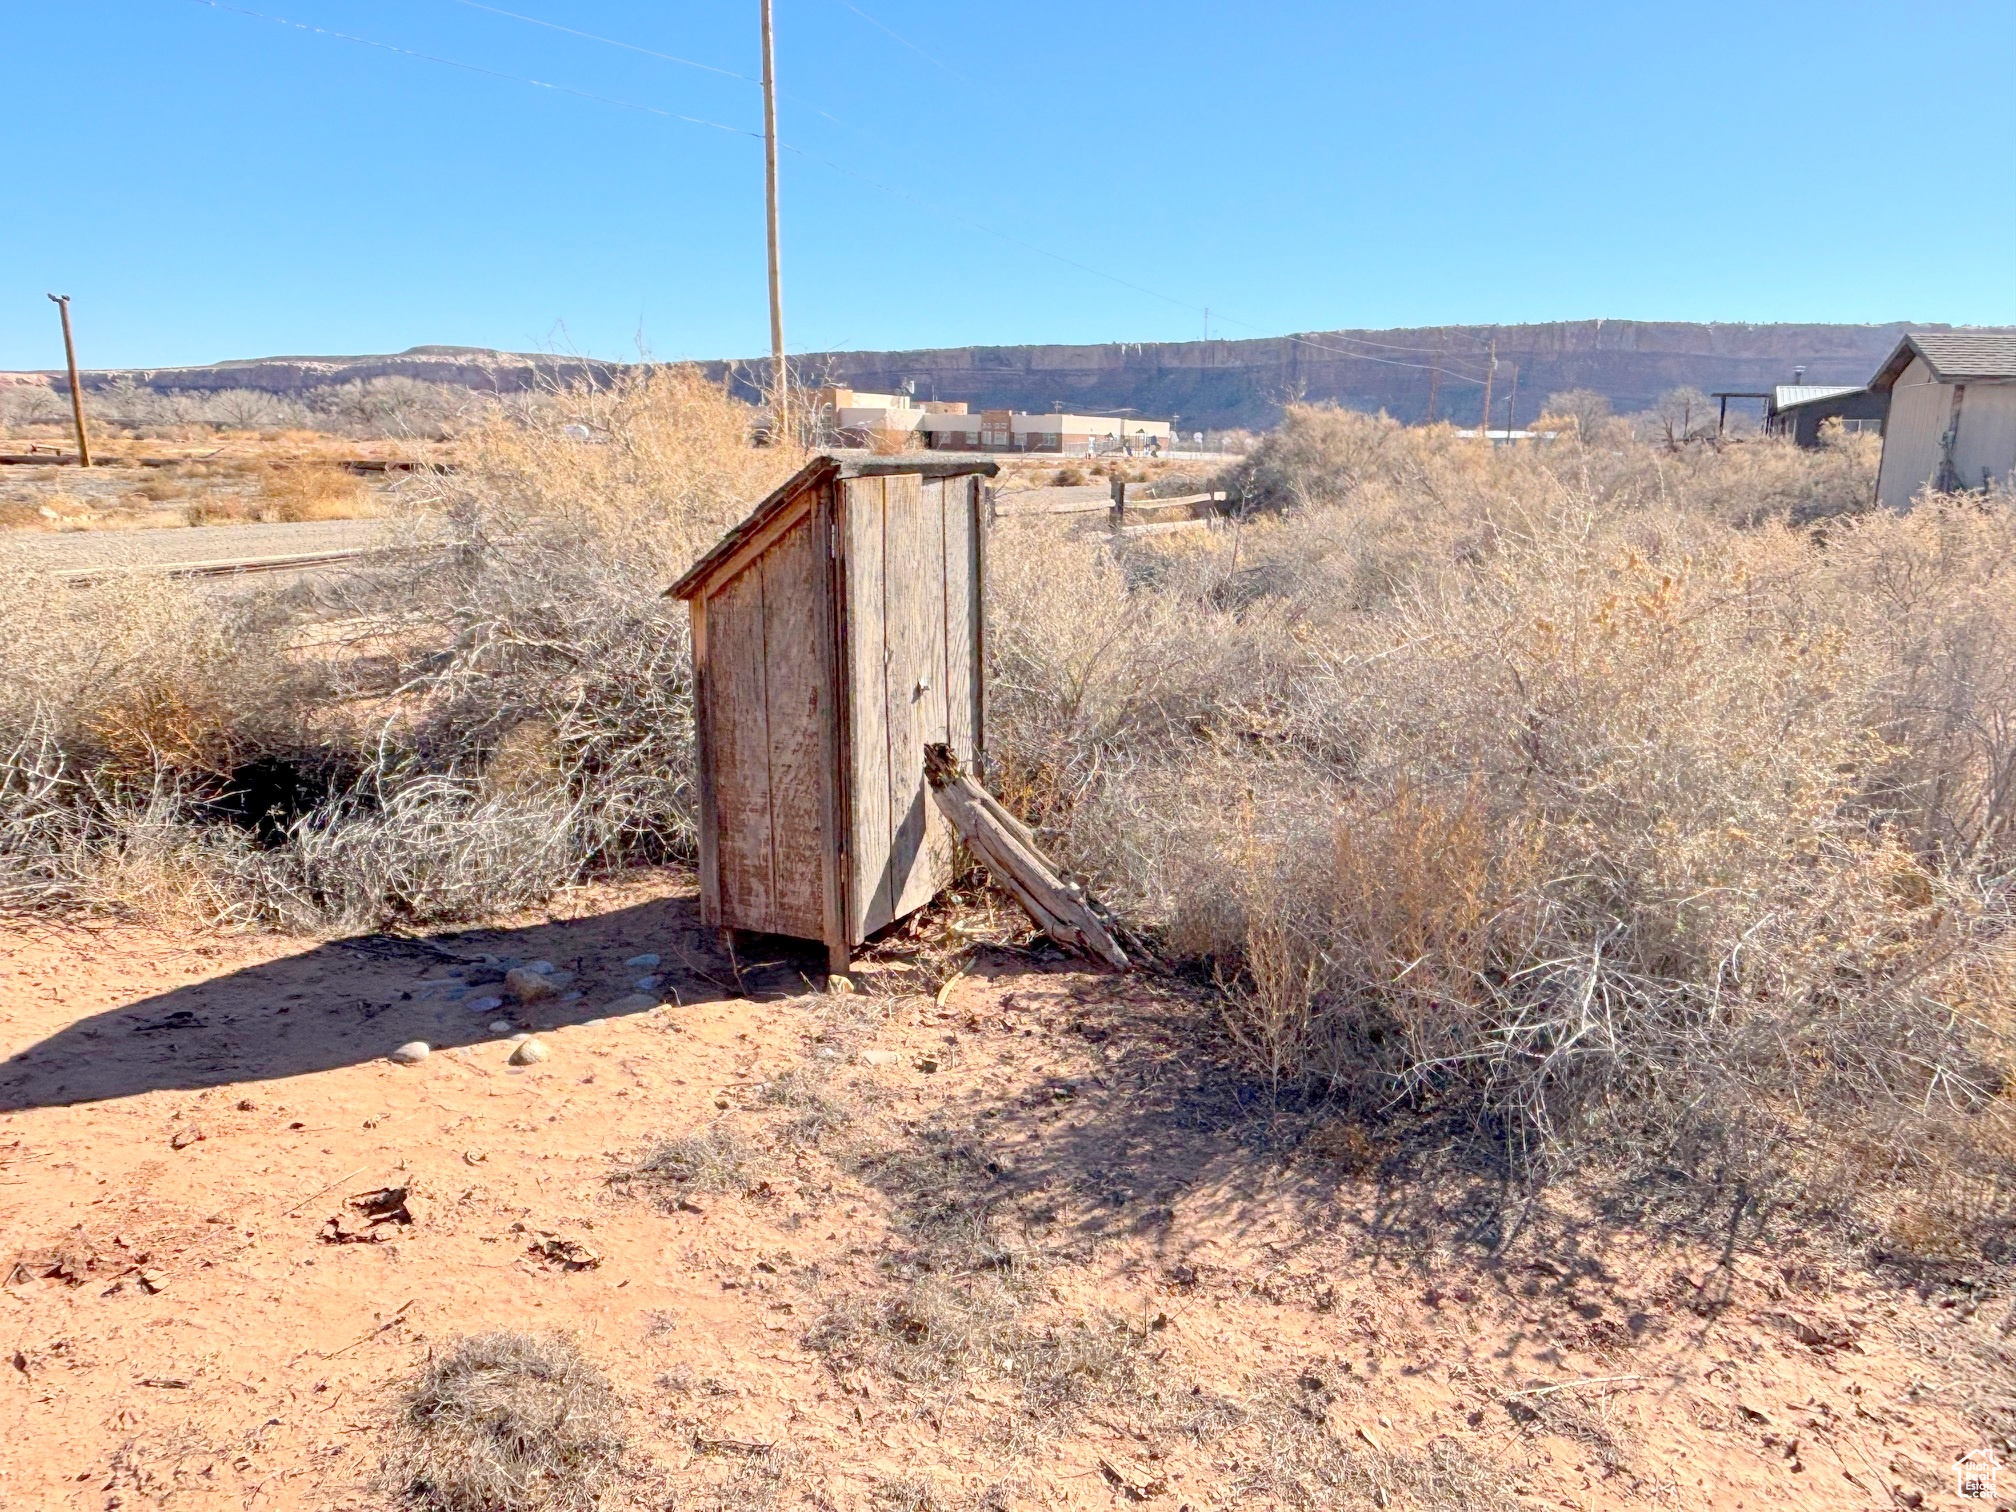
(806, 1093)
(935, 1331)
(508, 1422)
(1304, 1454)
(717, 1159)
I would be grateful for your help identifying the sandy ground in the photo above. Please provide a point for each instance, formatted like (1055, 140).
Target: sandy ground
(1019, 1242)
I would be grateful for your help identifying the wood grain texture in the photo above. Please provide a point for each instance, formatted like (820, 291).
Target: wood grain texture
(920, 860)
(983, 516)
(871, 903)
(835, 808)
(794, 583)
(1007, 849)
(962, 708)
(739, 745)
(703, 758)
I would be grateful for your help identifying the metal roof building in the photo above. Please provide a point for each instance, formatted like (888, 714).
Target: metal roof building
(1952, 414)
(1798, 410)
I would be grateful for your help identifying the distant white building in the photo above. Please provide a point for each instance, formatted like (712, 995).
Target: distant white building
(855, 418)
(1951, 424)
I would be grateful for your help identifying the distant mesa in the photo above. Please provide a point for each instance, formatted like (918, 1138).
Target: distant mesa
(1201, 384)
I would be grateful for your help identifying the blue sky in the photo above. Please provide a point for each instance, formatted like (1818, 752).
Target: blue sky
(211, 184)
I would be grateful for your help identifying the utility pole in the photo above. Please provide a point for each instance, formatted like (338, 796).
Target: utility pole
(779, 382)
(1207, 322)
(1435, 378)
(1484, 430)
(1512, 405)
(62, 302)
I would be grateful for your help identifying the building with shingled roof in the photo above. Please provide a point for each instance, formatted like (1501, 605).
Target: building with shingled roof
(1951, 422)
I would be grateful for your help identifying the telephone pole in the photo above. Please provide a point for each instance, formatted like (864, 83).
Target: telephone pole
(62, 302)
(1435, 378)
(779, 382)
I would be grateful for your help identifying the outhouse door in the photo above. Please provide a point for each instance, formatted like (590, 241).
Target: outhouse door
(914, 652)
(764, 721)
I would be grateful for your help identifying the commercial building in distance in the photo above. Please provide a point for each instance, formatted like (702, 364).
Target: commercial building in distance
(899, 421)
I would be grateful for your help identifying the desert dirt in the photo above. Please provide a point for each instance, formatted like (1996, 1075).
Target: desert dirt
(1022, 1238)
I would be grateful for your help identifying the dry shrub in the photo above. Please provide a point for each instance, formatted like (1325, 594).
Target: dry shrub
(303, 490)
(1577, 791)
(486, 726)
(508, 1422)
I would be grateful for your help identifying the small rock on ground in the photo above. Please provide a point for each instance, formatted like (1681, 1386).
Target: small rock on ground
(409, 1054)
(647, 959)
(530, 986)
(636, 1002)
(879, 1057)
(529, 1053)
(501, 1026)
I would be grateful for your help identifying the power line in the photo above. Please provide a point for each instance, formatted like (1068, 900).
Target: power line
(915, 199)
(600, 99)
(652, 52)
(649, 52)
(890, 31)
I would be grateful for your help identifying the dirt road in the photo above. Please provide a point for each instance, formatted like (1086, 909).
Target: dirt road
(67, 551)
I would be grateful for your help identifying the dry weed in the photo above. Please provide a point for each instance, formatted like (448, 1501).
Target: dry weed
(302, 490)
(1309, 1455)
(717, 1159)
(508, 1422)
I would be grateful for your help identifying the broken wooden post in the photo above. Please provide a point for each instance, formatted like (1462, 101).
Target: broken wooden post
(1009, 851)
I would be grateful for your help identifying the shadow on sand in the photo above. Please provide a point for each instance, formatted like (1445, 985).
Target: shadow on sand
(347, 1001)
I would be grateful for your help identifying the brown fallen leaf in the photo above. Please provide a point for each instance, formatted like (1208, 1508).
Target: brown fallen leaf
(1131, 1481)
(569, 1254)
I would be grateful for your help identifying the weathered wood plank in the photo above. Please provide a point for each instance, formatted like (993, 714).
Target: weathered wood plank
(794, 585)
(739, 743)
(1006, 849)
(703, 755)
(863, 513)
(837, 846)
(920, 860)
(1203, 506)
(962, 705)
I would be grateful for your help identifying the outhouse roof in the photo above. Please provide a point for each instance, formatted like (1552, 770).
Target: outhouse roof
(820, 470)
(1953, 356)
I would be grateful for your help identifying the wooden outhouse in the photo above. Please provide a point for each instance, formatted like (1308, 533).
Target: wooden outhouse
(837, 632)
